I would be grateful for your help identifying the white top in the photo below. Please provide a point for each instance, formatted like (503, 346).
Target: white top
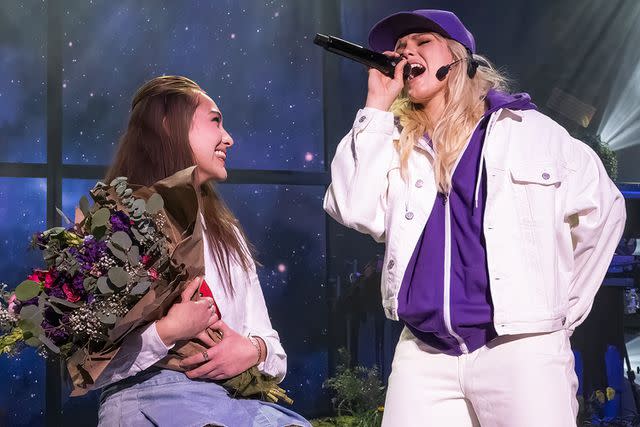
(244, 311)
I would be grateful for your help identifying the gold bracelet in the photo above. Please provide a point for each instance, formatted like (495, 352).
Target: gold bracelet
(256, 344)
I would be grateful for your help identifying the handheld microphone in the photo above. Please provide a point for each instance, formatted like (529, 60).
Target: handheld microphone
(362, 55)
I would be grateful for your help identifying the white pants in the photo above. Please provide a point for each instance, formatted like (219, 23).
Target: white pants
(513, 381)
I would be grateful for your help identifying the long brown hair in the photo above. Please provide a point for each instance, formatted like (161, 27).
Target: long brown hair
(155, 146)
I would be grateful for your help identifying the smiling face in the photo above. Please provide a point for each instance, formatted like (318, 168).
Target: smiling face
(428, 52)
(209, 140)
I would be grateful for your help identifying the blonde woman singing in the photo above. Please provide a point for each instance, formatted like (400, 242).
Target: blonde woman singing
(499, 228)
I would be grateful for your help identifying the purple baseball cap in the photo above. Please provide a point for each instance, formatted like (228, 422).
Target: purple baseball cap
(384, 35)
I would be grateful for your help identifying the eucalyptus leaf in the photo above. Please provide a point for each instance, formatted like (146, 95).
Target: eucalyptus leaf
(33, 342)
(27, 290)
(140, 288)
(134, 256)
(63, 302)
(155, 203)
(139, 207)
(117, 180)
(122, 240)
(54, 308)
(120, 188)
(31, 326)
(119, 253)
(139, 237)
(100, 217)
(50, 344)
(63, 216)
(84, 205)
(107, 319)
(103, 285)
(118, 276)
(31, 313)
(89, 283)
(98, 231)
(53, 231)
(128, 192)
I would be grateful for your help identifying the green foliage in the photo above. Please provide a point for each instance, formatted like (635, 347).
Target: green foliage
(359, 393)
(27, 290)
(602, 149)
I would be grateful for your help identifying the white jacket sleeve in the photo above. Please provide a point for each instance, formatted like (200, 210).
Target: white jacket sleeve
(357, 194)
(140, 350)
(596, 210)
(258, 324)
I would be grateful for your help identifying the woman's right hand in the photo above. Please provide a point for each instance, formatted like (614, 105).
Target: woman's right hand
(382, 89)
(188, 318)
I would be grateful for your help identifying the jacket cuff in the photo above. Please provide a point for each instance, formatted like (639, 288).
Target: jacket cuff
(153, 342)
(373, 120)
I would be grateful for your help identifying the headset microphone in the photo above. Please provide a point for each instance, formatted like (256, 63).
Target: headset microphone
(472, 68)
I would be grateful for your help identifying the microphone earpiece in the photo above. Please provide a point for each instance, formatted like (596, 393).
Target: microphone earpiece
(472, 68)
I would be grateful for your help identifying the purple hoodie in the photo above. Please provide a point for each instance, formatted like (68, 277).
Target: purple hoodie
(460, 320)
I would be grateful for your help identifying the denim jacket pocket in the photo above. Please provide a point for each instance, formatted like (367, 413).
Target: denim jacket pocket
(535, 188)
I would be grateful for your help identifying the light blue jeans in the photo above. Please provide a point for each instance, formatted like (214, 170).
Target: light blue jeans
(167, 398)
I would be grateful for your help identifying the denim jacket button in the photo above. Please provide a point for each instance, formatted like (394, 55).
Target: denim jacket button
(546, 176)
(419, 183)
(390, 264)
(362, 119)
(409, 215)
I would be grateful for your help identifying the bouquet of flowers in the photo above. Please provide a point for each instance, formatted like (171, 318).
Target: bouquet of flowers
(120, 266)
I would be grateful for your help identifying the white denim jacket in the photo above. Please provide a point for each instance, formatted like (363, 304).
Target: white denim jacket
(553, 218)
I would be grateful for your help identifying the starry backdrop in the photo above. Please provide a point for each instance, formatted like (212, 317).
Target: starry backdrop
(257, 61)
(284, 110)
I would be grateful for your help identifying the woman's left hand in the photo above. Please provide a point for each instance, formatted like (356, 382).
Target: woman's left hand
(232, 355)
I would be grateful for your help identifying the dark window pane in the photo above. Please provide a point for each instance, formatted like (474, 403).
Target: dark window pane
(22, 81)
(72, 190)
(257, 60)
(78, 411)
(287, 226)
(22, 213)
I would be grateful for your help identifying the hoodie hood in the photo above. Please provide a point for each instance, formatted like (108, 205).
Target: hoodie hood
(517, 101)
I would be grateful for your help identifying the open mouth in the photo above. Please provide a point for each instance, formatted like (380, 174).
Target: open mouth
(415, 70)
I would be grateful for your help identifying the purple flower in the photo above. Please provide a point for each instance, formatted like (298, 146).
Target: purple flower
(32, 301)
(56, 291)
(89, 253)
(120, 222)
(55, 332)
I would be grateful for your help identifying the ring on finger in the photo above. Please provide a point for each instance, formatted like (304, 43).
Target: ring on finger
(205, 355)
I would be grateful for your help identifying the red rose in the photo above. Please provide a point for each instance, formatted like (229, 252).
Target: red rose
(71, 297)
(153, 273)
(48, 280)
(37, 276)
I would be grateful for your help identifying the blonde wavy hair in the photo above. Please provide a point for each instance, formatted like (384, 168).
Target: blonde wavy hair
(464, 105)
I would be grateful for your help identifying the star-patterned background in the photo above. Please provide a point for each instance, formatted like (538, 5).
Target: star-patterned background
(257, 60)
